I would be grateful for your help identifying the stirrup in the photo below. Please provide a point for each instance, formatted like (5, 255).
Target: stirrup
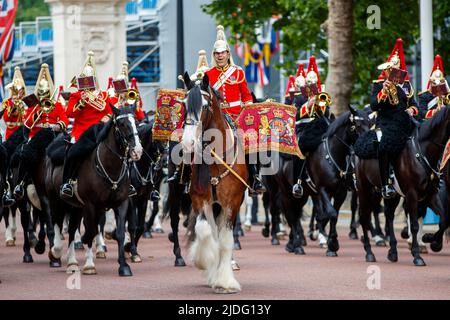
(388, 191)
(66, 190)
(258, 186)
(7, 200)
(19, 191)
(297, 190)
(154, 196)
(132, 191)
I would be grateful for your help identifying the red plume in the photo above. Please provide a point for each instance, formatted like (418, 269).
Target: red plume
(437, 64)
(312, 65)
(399, 49)
(290, 85)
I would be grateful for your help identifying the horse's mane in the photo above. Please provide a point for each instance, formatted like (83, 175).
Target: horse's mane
(194, 100)
(104, 131)
(426, 128)
(336, 124)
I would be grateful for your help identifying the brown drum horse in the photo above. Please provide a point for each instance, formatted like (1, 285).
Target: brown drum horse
(417, 178)
(215, 192)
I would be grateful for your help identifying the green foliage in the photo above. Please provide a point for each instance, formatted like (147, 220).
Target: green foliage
(28, 10)
(301, 22)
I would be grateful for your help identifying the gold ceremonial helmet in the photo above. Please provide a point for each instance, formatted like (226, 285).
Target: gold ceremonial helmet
(202, 66)
(221, 45)
(89, 68)
(17, 86)
(394, 62)
(44, 83)
(437, 77)
(124, 73)
(300, 81)
(311, 77)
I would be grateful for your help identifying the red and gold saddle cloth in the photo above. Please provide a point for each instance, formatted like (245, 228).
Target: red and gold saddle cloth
(268, 126)
(169, 116)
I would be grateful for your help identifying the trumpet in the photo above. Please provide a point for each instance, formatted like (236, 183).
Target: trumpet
(47, 105)
(93, 99)
(132, 96)
(392, 94)
(322, 101)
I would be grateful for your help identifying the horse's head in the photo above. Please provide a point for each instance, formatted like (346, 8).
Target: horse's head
(358, 122)
(198, 112)
(125, 131)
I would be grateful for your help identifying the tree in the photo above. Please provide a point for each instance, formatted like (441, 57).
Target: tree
(304, 25)
(28, 10)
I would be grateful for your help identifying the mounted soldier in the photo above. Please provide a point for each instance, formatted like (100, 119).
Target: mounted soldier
(393, 99)
(229, 79)
(314, 116)
(436, 96)
(135, 97)
(293, 91)
(13, 113)
(88, 106)
(43, 114)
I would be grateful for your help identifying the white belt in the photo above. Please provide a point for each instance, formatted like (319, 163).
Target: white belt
(45, 125)
(232, 104)
(13, 123)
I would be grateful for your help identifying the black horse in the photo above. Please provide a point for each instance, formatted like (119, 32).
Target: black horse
(104, 168)
(142, 175)
(330, 169)
(417, 179)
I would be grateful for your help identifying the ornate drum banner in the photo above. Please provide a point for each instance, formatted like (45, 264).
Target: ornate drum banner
(269, 126)
(169, 115)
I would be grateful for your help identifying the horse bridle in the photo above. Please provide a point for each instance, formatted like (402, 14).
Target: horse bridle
(329, 156)
(124, 144)
(207, 107)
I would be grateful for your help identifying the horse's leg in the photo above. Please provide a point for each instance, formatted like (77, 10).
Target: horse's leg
(174, 223)
(353, 234)
(332, 243)
(365, 211)
(39, 248)
(436, 239)
(389, 211)
(248, 212)
(275, 224)
(74, 224)
(149, 223)
(224, 281)
(110, 225)
(55, 251)
(411, 205)
(141, 206)
(101, 224)
(25, 221)
(312, 225)
(90, 221)
(322, 219)
(236, 227)
(204, 250)
(294, 223)
(266, 203)
(131, 219)
(11, 227)
(121, 213)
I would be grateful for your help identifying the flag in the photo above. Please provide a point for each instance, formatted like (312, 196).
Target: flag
(8, 10)
(256, 57)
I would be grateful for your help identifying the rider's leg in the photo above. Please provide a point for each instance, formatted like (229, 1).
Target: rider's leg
(387, 189)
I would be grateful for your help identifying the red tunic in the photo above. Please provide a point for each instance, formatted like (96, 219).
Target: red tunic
(85, 116)
(35, 120)
(13, 118)
(234, 87)
(138, 113)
